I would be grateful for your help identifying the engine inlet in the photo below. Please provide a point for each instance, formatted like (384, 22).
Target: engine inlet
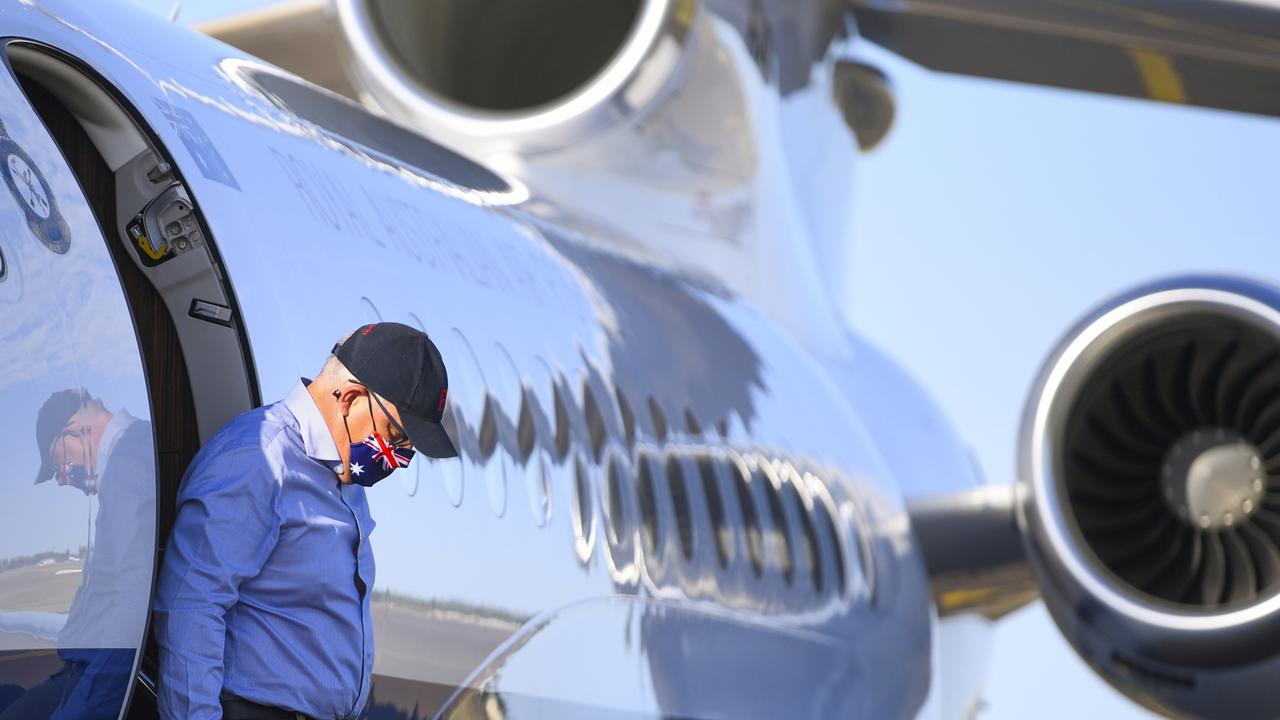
(1167, 457)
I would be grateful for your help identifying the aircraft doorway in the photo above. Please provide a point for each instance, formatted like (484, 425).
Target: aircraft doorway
(163, 274)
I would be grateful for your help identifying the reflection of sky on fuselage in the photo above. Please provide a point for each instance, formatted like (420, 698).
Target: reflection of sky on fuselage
(73, 330)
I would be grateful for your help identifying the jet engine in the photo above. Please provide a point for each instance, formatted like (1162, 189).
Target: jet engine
(1150, 494)
(511, 74)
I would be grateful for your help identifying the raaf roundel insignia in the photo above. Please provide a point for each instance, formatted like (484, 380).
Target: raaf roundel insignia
(34, 196)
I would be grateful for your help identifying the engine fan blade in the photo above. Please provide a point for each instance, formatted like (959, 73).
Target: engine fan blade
(1242, 580)
(1266, 558)
(1213, 574)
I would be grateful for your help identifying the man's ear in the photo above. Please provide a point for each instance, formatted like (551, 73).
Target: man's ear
(347, 396)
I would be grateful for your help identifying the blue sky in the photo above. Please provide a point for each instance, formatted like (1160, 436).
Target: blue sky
(994, 216)
(990, 219)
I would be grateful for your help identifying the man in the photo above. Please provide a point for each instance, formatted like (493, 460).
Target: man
(108, 456)
(262, 606)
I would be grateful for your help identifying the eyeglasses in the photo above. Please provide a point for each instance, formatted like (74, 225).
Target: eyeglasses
(401, 440)
(71, 430)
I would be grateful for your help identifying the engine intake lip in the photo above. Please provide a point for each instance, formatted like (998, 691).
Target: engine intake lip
(1068, 566)
(647, 57)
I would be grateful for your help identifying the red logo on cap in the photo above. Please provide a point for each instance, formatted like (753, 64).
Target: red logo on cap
(368, 329)
(440, 405)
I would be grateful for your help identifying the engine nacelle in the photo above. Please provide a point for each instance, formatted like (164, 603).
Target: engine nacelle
(1150, 500)
(513, 75)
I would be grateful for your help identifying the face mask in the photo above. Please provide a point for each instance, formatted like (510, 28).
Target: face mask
(373, 458)
(77, 475)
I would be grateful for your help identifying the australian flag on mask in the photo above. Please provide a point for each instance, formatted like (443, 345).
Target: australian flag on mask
(390, 457)
(372, 459)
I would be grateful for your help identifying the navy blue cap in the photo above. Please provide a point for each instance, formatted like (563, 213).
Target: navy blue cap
(50, 422)
(401, 364)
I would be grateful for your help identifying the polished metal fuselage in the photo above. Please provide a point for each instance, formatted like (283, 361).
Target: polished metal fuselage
(636, 524)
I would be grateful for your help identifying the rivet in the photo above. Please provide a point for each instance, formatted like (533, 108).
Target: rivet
(1257, 484)
(1255, 462)
(1228, 519)
(1247, 505)
(1168, 471)
(1204, 521)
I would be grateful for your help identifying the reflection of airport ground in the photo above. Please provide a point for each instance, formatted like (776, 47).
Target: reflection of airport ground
(420, 641)
(22, 669)
(45, 587)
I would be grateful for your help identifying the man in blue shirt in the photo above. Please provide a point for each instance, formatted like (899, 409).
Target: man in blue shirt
(109, 456)
(262, 605)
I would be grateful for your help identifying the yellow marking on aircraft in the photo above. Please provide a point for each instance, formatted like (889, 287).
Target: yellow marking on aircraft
(1159, 76)
(962, 598)
(684, 11)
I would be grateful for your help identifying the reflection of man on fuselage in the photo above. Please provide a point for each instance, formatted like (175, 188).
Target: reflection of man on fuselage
(108, 456)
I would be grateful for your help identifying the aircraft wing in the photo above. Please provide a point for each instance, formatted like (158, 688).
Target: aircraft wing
(1212, 53)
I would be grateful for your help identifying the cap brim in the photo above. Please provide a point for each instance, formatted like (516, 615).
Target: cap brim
(45, 474)
(428, 438)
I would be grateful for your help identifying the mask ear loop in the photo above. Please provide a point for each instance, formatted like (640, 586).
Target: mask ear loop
(346, 465)
(391, 422)
(63, 472)
(90, 474)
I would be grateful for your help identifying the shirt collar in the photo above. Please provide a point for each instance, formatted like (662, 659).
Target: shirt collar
(120, 421)
(317, 442)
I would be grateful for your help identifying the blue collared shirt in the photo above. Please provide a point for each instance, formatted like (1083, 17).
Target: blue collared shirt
(264, 592)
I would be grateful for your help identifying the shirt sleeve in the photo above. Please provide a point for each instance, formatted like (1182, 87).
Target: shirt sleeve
(226, 527)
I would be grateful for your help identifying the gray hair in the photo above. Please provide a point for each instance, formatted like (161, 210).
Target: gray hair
(333, 369)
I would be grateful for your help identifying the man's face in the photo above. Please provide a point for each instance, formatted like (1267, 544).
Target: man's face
(378, 416)
(72, 454)
(371, 459)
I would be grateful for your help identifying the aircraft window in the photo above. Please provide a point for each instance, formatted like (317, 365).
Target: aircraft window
(346, 119)
(585, 520)
(563, 436)
(778, 531)
(467, 394)
(617, 521)
(488, 436)
(659, 420)
(648, 504)
(691, 423)
(507, 389)
(628, 417)
(747, 504)
(827, 527)
(680, 503)
(595, 421)
(540, 489)
(715, 505)
(809, 535)
(526, 433)
(452, 472)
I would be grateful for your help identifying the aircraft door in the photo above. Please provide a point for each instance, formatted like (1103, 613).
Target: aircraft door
(78, 537)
